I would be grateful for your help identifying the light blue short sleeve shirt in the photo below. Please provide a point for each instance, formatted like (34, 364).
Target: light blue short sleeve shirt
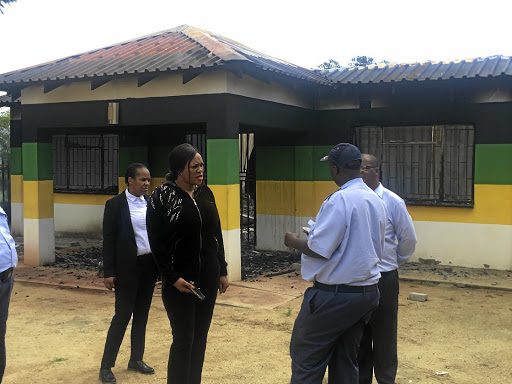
(8, 254)
(349, 234)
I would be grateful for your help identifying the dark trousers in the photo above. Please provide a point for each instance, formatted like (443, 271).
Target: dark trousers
(5, 298)
(327, 331)
(190, 321)
(378, 345)
(132, 298)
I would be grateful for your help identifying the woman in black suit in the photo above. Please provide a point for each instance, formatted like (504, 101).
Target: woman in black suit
(186, 238)
(129, 268)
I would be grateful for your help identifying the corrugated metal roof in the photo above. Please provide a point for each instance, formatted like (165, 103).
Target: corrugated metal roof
(180, 48)
(386, 73)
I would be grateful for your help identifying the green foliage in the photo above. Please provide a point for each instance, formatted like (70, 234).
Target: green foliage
(329, 64)
(358, 61)
(5, 121)
(5, 148)
(288, 313)
(363, 61)
(3, 2)
(59, 359)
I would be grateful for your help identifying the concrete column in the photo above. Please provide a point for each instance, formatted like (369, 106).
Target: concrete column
(224, 180)
(38, 215)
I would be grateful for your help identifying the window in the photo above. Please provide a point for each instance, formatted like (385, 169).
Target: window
(85, 163)
(425, 165)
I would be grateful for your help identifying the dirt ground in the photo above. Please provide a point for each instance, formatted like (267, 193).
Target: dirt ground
(59, 319)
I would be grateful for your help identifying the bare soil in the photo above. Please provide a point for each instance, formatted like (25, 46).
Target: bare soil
(59, 318)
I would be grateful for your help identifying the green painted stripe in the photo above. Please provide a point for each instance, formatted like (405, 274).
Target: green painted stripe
(16, 161)
(493, 164)
(301, 163)
(159, 161)
(222, 161)
(37, 161)
(304, 163)
(130, 155)
(275, 163)
(321, 169)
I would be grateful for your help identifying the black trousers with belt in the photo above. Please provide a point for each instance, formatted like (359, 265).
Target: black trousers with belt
(190, 321)
(378, 349)
(131, 298)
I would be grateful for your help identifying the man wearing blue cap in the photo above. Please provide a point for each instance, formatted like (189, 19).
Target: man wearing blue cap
(340, 257)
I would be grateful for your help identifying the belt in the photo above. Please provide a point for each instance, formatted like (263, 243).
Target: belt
(6, 275)
(343, 288)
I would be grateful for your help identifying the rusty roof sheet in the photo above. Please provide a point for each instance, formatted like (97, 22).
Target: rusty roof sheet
(387, 73)
(180, 48)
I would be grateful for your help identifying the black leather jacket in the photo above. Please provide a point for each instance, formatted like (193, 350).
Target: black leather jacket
(183, 231)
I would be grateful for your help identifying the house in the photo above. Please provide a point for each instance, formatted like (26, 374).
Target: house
(442, 131)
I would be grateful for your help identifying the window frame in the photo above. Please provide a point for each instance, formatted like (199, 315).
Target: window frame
(435, 180)
(98, 153)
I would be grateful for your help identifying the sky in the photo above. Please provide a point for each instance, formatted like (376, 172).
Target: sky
(305, 33)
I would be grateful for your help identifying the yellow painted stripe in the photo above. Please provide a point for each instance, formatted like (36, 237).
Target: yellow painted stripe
(493, 205)
(155, 182)
(227, 198)
(122, 184)
(292, 198)
(275, 197)
(38, 199)
(80, 199)
(16, 188)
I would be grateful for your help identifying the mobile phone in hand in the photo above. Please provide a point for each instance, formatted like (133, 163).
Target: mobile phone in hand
(198, 293)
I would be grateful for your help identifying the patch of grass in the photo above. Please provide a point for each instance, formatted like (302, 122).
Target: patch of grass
(59, 359)
(221, 323)
(288, 312)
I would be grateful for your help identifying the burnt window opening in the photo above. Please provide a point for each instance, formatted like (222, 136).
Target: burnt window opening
(85, 164)
(425, 165)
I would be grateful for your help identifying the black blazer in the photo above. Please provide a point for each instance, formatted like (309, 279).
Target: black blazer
(119, 245)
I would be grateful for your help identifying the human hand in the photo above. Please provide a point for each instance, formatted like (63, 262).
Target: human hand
(109, 282)
(289, 239)
(223, 284)
(183, 285)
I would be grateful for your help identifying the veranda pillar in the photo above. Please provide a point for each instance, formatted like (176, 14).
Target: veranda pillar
(223, 179)
(38, 216)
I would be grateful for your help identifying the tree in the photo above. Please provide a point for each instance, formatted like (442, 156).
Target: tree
(5, 148)
(363, 61)
(3, 2)
(329, 64)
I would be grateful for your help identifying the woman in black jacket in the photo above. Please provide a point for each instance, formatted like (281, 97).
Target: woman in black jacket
(186, 239)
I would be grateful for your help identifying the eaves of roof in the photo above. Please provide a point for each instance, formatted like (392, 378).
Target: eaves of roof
(388, 73)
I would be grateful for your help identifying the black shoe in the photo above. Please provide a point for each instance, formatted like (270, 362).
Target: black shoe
(141, 367)
(106, 375)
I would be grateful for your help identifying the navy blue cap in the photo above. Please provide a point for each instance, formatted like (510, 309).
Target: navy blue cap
(342, 154)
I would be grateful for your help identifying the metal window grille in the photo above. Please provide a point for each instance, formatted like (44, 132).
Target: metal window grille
(85, 163)
(425, 165)
(247, 188)
(198, 140)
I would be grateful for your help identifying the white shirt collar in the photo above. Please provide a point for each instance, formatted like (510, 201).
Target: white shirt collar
(133, 198)
(379, 190)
